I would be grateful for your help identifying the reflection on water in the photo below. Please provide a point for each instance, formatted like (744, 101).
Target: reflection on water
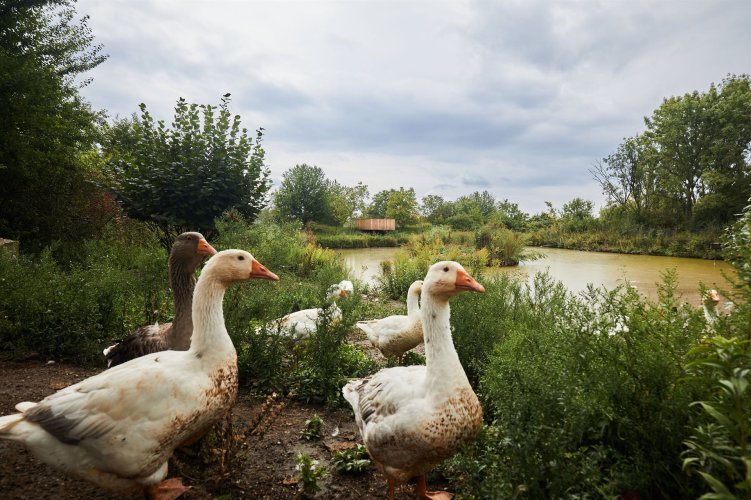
(576, 269)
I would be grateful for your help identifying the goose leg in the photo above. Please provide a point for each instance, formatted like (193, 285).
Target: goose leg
(400, 359)
(391, 488)
(169, 489)
(423, 494)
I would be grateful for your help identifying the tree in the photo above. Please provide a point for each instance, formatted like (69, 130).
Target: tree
(576, 215)
(509, 215)
(436, 209)
(345, 202)
(377, 207)
(303, 194)
(402, 206)
(45, 126)
(185, 176)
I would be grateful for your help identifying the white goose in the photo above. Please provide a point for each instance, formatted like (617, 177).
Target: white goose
(302, 324)
(413, 417)
(118, 429)
(395, 335)
(712, 312)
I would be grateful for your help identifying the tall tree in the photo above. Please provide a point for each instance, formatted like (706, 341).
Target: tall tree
(346, 202)
(402, 206)
(183, 177)
(436, 209)
(303, 194)
(377, 207)
(45, 126)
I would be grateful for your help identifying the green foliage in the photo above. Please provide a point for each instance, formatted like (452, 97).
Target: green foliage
(303, 194)
(576, 390)
(400, 205)
(352, 461)
(346, 202)
(309, 472)
(690, 167)
(184, 176)
(46, 128)
(413, 260)
(71, 310)
(313, 428)
(718, 449)
(576, 215)
(505, 247)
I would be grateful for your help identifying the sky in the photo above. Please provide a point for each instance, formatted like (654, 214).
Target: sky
(520, 98)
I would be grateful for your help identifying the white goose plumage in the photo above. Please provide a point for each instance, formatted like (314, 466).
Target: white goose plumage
(395, 335)
(302, 324)
(118, 429)
(412, 418)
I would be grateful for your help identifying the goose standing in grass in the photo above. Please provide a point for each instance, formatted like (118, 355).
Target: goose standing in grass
(301, 324)
(187, 253)
(711, 307)
(411, 418)
(119, 428)
(395, 335)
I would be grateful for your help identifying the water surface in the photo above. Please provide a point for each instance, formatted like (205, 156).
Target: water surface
(576, 269)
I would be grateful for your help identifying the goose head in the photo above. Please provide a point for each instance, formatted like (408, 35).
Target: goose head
(714, 296)
(190, 248)
(448, 278)
(229, 266)
(415, 288)
(341, 289)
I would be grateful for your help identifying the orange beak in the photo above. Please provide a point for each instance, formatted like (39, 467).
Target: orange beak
(258, 271)
(342, 293)
(204, 248)
(466, 282)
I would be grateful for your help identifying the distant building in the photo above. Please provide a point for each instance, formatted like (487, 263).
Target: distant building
(376, 224)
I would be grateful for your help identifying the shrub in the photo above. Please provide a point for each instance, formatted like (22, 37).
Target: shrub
(576, 390)
(70, 311)
(352, 461)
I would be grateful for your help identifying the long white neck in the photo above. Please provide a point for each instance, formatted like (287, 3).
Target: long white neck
(210, 341)
(445, 371)
(413, 304)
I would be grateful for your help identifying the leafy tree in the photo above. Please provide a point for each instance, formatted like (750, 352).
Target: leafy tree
(402, 206)
(345, 202)
(303, 194)
(480, 203)
(510, 216)
(377, 207)
(183, 177)
(576, 215)
(436, 209)
(45, 126)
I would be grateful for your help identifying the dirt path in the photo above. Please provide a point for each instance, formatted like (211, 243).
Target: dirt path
(262, 465)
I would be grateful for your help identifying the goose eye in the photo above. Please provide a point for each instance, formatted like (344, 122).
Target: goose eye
(446, 269)
(240, 257)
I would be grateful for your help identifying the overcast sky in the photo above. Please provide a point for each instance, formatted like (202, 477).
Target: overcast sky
(449, 97)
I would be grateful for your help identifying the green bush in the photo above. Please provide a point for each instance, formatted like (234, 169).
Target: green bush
(584, 396)
(71, 310)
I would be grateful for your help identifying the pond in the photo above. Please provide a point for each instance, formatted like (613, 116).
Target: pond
(576, 269)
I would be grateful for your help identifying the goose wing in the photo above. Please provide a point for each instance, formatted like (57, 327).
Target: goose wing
(146, 340)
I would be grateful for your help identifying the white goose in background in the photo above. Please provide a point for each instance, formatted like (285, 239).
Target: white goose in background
(710, 306)
(302, 324)
(411, 418)
(187, 253)
(395, 335)
(119, 428)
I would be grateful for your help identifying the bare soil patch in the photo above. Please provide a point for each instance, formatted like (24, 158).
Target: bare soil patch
(261, 464)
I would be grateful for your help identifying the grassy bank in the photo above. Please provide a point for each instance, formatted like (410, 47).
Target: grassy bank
(644, 242)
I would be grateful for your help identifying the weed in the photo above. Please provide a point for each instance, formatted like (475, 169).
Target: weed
(309, 472)
(313, 427)
(352, 461)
